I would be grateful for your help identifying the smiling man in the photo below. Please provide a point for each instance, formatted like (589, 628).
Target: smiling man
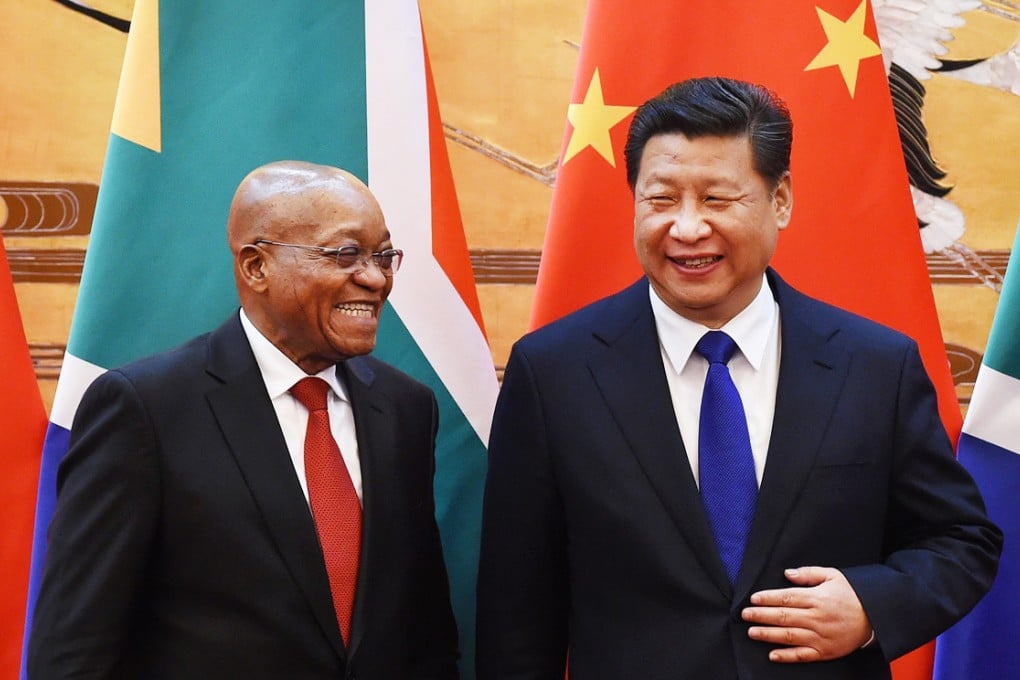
(710, 474)
(258, 502)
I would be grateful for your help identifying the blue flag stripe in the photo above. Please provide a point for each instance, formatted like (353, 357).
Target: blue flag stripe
(54, 451)
(983, 646)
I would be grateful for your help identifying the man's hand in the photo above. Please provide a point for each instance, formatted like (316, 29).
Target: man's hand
(821, 620)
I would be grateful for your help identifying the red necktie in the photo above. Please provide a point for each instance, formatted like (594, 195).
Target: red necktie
(334, 502)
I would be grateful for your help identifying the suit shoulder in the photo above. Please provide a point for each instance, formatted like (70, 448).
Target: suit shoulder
(863, 327)
(846, 327)
(157, 370)
(387, 374)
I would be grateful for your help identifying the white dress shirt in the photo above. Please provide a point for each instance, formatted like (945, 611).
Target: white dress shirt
(754, 369)
(280, 374)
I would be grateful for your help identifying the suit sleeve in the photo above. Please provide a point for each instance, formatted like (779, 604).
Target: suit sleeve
(522, 579)
(435, 636)
(941, 549)
(99, 538)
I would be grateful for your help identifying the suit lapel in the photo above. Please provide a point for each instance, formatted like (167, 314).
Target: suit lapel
(626, 364)
(377, 449)
(811, 374)
(250, 427)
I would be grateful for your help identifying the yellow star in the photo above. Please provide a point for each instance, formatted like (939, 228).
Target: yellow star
(592, 120)
(847, 45)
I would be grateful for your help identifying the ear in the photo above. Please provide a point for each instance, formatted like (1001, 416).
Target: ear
(251, 266)
(782, 200)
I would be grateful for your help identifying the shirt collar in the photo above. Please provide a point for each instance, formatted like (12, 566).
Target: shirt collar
(278, 372)
(749, 329)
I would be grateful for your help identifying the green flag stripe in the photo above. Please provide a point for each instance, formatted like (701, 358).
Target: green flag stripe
(239, 89)
(1003, 351)
(460, 470)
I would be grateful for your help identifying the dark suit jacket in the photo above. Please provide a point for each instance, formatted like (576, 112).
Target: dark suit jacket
(183, 547)
(594, 537)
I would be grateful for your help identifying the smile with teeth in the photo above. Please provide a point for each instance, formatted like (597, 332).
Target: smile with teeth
(696, 262)
(361, 310)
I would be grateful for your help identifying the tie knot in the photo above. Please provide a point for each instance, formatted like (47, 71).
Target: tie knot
(311, 392)
(716, 346)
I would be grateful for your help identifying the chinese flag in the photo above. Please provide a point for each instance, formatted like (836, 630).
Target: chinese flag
(22, 424)
(853, 239)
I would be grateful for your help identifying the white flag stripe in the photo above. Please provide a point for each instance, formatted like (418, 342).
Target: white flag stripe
(994, 409)
(399, 174)
(75, 377)
(448, 336)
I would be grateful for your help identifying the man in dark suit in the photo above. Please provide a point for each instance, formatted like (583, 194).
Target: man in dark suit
(841, 534)
(209, 524)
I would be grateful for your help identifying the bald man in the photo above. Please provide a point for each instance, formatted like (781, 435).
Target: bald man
(206, 528)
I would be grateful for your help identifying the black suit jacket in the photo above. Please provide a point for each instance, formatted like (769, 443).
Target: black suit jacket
(183, 547)
(595, 538)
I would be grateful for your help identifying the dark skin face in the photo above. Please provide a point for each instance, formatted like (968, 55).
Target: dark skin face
(313, 312)
(706, 223)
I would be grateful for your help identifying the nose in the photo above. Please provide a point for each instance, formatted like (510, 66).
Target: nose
(688, 225)
(370, 275)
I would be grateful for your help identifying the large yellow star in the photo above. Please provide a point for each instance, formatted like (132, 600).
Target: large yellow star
(592, 120)
(847, 45)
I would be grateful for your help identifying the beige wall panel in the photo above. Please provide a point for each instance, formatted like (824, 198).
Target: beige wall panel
(47, 388)
(57, 88)
(975, 137)
(46, 312)
(501, 208)
(45, 242)
(966, 313)
(504, 69)
(975, 134)
(58, 85)
(506, 309)
(58, 302)
(984, 32)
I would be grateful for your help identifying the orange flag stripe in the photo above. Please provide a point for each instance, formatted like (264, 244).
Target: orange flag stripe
(23, 424)
(449, 245)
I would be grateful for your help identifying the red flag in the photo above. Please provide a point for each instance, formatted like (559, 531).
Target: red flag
(23, 424)
(853, 239)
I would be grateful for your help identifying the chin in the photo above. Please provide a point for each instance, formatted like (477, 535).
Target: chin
(356, 349)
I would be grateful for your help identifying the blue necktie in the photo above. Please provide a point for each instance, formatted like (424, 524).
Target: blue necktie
(725, 464)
